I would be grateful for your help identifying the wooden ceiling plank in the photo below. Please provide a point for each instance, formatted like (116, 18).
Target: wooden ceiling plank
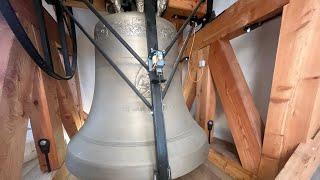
(242, 116)
(295, 86)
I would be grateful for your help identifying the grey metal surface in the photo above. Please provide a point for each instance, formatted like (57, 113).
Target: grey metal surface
(162, 5)
(117, 140)
(117, 5)
(140, 5)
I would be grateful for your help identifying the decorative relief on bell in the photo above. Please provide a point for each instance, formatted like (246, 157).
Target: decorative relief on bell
(134, 26)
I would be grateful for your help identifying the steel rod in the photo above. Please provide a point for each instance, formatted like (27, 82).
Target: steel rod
(115, 67)
(115, 33)
(186, 22)
(176, 63)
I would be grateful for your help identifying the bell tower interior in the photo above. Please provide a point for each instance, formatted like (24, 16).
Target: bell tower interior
(159, 89)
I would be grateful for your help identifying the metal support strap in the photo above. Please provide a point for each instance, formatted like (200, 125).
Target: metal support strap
(163, 171)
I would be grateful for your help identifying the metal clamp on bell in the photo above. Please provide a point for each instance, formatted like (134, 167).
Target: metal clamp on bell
(156, 63)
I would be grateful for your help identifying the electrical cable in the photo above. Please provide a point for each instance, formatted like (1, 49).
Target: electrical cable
(190, 58)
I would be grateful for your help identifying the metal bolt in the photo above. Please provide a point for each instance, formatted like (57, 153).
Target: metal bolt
(43, 142)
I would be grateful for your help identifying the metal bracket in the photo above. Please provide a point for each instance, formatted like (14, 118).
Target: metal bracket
(156, 62)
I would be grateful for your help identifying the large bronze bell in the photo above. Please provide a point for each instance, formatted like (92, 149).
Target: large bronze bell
(117, 140)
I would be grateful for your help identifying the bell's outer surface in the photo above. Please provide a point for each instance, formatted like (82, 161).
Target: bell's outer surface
(117, 140)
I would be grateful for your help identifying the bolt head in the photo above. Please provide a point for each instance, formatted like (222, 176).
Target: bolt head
(43, 142)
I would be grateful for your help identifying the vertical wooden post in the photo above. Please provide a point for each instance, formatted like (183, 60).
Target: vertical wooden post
(46, 120)
(205, 92)
(45, 116)
(295, 87)
(242, 116)
(16, 70)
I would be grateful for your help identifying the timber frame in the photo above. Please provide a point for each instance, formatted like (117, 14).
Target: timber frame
(263, 153)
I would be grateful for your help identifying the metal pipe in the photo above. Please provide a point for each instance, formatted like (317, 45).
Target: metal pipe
(183, 27)
(115, 33)
(176, 63)
(116, 68)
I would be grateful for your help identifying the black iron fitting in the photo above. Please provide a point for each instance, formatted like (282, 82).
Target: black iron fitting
(210, 127)
(195, 21)
(44, 145)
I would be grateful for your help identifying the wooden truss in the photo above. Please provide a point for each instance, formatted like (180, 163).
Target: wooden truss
(293, 116)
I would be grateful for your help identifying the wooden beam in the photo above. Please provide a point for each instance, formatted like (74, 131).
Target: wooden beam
(71, 113)
(242, 116)
(25, 9)
(183, 8)
(304, 161)
(221, 154)
(16, 70)
(205, 94)
(232, 21)
(295, 86)
(100, 5)
(45, 120)
(44, 115)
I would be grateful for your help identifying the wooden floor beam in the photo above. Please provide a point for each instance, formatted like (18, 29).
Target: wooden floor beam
(242, 116)
(295, 86)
